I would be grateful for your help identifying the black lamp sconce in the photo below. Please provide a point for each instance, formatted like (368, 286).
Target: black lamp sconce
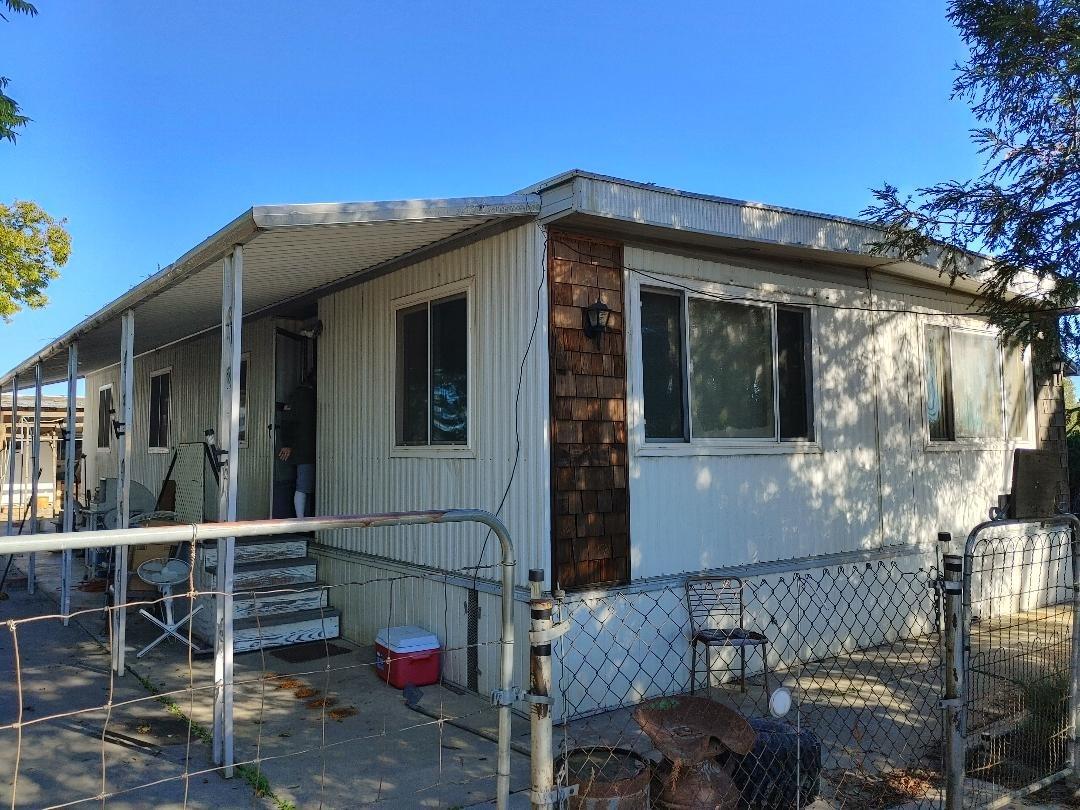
(597, 316)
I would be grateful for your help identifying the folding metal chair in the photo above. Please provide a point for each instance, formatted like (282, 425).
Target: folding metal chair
(715, 606)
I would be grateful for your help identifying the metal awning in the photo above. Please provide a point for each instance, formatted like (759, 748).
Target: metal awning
(290, 253)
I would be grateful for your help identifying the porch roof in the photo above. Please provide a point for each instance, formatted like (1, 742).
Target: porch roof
(290, 253)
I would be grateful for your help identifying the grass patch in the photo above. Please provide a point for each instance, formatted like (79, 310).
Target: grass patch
(260, 785)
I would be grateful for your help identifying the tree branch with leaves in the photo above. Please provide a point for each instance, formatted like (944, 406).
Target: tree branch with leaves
(1022, 81)
(33, 245)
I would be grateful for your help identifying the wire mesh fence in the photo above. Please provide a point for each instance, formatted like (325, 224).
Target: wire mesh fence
(316, 722)
(642, 674)
(1020, 673)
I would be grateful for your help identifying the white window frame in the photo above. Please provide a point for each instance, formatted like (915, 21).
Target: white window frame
(688, 288)
(958, 324)
(150, 448)
(97, 426)
(429, 296)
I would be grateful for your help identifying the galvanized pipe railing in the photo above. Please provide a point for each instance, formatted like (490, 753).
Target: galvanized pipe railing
(956, 765)
(200, 532)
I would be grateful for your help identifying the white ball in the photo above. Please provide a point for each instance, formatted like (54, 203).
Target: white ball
(780, 702)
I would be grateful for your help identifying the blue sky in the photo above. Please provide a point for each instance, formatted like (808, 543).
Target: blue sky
(154, 123)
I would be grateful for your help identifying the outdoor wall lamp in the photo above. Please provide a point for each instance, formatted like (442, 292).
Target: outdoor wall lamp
(596, 319)
(1057, 365)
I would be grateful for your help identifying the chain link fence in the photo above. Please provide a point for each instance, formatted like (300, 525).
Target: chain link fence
(856, 646)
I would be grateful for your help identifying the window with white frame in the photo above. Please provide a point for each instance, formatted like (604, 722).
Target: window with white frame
(718, 371)
(104, 417)
(433, 373)
(160, 409)
(975, 387)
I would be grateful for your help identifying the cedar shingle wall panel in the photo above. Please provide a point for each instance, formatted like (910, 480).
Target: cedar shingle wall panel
(590, 530)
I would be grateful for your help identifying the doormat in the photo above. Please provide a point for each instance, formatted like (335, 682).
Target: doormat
(311, 651)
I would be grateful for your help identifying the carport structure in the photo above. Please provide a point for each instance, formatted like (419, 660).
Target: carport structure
(270, 259)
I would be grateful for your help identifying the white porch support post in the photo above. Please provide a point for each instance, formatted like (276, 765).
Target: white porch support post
(123, 487)
(35, 477)
(69, 477)
(13, 442)
(232, 289)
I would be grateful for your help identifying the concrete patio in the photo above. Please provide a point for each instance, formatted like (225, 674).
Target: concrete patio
(364, 745)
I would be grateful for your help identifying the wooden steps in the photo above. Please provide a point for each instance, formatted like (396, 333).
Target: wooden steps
(297, 627)
(277, 599)
(254, 549)
(251, 576)
(270, 603)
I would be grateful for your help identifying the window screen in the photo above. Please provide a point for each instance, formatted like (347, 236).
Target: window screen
(731, 370)
(433, 363)
(793, 374)
(662, 366)
(976, 385)
(1019, 395)
(449, 371)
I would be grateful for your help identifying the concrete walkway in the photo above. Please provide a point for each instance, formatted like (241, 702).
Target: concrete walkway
(90, 752)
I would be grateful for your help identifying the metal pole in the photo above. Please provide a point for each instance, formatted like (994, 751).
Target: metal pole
(123, 487)
(232, 286)
(13, 443)
(952, 587)
(542, 787)
(35, 477)
(1074, 669)
(69, 476)
(504, 697)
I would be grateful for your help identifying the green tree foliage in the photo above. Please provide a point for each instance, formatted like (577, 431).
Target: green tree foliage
(33, 247)
(11, 119)
(1022, 81)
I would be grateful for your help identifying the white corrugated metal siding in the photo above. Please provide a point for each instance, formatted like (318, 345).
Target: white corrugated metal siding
(371, 596)
(873, 483)
(195, 383)
(356, 469)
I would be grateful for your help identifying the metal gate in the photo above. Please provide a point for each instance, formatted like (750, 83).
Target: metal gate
(1017, 698)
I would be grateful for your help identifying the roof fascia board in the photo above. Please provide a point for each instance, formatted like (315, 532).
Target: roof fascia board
(280, 216)
(240, 231)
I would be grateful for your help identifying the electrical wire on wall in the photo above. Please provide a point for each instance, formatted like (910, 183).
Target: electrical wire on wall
(517, 399)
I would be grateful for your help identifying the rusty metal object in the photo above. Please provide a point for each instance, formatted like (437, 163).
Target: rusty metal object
(693, 729)
(690, 732)
(705, 784)
(607, 778)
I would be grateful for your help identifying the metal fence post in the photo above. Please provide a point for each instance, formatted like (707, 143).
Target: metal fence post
(1074, 668)
(543, 792)
(541, 756)
(953, 661)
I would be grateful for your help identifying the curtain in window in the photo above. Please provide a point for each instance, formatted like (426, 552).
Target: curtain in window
(977, 385)
(731, 378)
(938, 384)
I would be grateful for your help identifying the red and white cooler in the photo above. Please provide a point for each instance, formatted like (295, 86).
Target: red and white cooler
(407, 655)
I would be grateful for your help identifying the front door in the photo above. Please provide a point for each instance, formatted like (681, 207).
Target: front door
(294, 354)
